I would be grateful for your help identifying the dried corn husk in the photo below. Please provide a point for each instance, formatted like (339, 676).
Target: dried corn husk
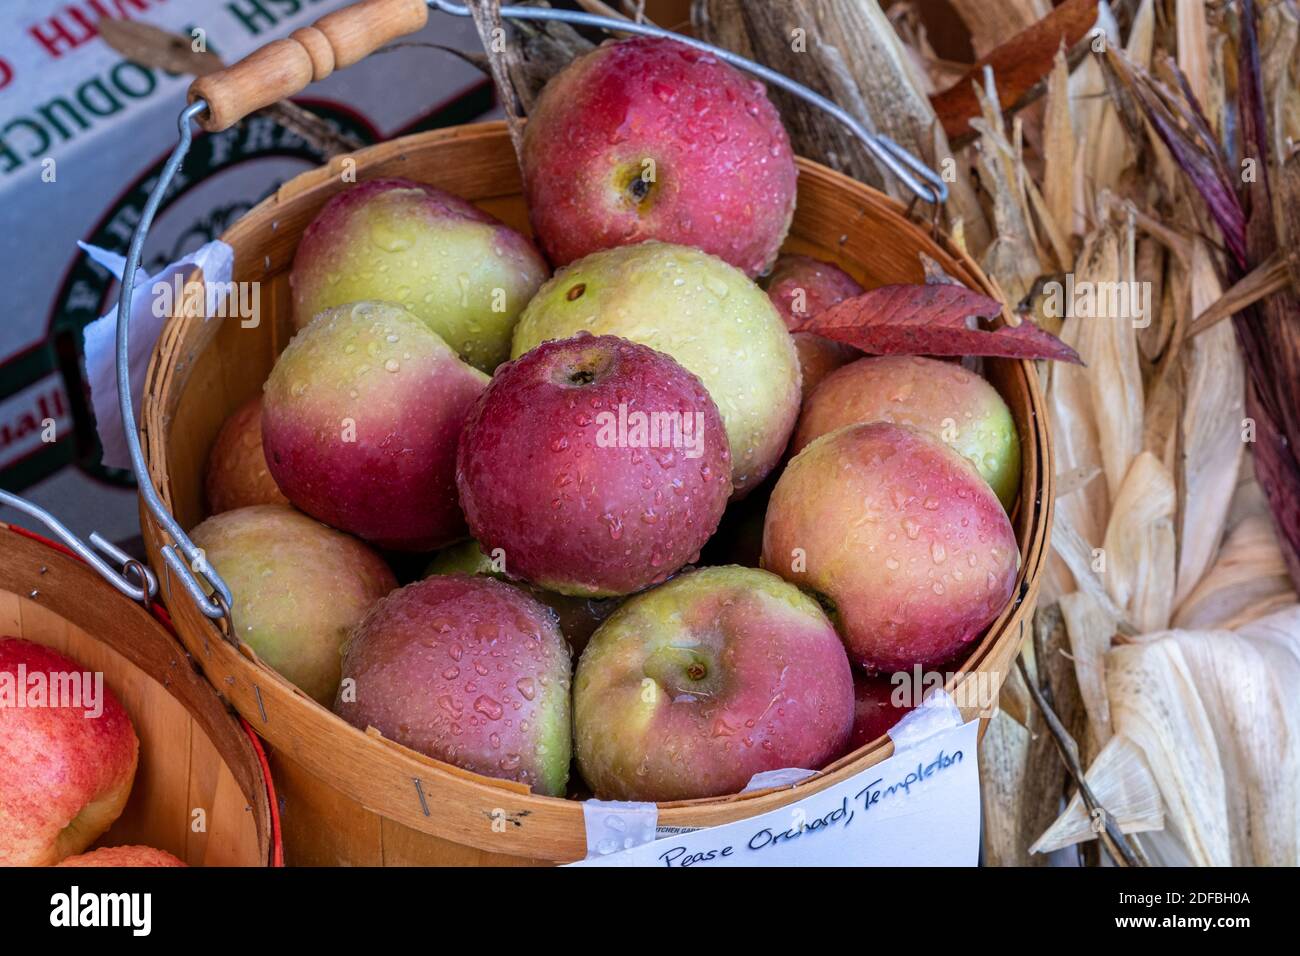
(1155, 703)
(1216, 719)
(1013, 258)
(1194, 49)
(1058, 148)
(1279, 35)
(1247, 686)
(1150, 269)
(1108, 344)
(1248, 578)
(1109, 152)
(1088, 109)
(1078, 450)
(1121, 781)
(1247, 581)
(1139, 544)
(1090, 628)
(1211, 429)
(1003, 756)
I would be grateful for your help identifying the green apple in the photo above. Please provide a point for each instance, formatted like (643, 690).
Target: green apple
(702, 312)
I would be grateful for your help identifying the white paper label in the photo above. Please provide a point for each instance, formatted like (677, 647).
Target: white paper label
(921, 807)
(216, 260)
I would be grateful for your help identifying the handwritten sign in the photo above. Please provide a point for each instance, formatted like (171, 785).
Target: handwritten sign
(921, 807)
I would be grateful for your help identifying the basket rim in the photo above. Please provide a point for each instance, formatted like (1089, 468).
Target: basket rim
(996, 648)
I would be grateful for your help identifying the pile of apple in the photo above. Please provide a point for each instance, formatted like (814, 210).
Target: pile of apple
(568, 445)
(66, 770)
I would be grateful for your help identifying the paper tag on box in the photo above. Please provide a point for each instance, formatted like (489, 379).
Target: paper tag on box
(921, 807)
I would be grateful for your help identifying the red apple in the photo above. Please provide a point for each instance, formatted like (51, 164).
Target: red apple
(874, 709)
(598, 466)
(647, 138)
(362, 414)
(899, 536)
(124, 856)
(578, 617)
(68, 755)
(701, 311)
(460, 271)
(468, 670)
(237, 475)
(690, 689)
(801, 287)
(940, 398)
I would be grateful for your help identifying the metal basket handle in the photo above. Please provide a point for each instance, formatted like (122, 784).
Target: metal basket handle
(130, 577)
(285, 67)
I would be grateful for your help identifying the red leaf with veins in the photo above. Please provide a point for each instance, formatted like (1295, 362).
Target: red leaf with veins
(932, 320)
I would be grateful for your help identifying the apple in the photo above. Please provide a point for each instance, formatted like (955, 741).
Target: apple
(362, 414)
(298, 588)
(468, 670)
(942, 399)
(596, 465)
(68, 755)
(237, 475)
(578, 617)
(647, 138)
(690, 689)
(801, 287)
(460, 271)
(899, 537)
(702, 312)
(124, 856)
(874, 709)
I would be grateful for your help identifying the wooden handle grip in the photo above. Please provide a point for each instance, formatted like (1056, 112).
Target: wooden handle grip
(285, 67)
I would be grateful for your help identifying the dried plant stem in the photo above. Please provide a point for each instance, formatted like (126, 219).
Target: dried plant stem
(1115, 842)
(1268, 277)
(502, 61)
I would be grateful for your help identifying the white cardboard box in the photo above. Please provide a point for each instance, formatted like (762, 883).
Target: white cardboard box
(83, 133)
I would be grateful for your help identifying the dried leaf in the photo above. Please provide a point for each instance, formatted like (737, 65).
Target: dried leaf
(1108, 345)
(152, 46)
(1122, 782)
(1139, 544)
(1155, 703)
(1193, 47)
(1012, 259)
(1240, 807)
(1020, 63)
(1090, 629)
(1182, 127)
(1059, 147)
(1247, 580)
(931, 320)
(1211, 434)
(1073, 425)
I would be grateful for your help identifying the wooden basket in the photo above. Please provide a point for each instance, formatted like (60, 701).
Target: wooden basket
(350, 797)
(194, 754)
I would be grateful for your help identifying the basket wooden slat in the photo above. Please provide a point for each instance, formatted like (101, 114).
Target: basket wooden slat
(350, 797)
(193, 753)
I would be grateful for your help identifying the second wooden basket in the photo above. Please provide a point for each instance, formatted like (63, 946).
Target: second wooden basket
(200, 792)
(351, 797)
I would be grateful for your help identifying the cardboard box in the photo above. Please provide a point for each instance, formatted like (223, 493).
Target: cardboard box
(83, 134)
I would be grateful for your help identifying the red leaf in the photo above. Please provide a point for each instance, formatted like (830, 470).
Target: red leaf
(931, 320)
(1019, 64)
